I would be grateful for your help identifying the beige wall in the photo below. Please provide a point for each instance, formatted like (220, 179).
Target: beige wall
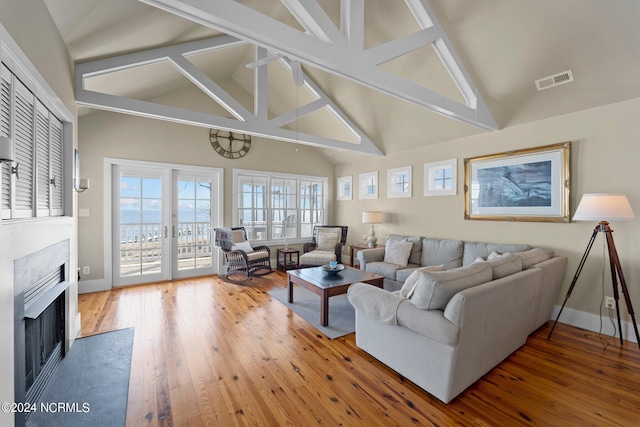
(604, 158)
(42, 44)
(112, 135)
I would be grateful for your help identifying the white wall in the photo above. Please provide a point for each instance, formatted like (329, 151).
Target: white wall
(605, 148)
(43, 46)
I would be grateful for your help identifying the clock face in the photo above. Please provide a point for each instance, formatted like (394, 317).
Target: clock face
(231, 145)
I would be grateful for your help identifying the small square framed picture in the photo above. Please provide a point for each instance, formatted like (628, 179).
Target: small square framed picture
(440, 178)
(368, 185)
(344, 188)
(399, 182)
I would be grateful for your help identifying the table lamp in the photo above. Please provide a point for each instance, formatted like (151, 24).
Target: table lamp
(372, 217)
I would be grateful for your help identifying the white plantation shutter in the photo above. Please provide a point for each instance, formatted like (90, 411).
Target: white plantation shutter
(5, 130)
(23, 125)
(42, 160)
(37, 189)
(57, 166)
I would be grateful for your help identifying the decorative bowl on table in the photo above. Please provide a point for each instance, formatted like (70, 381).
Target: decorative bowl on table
(333, 270)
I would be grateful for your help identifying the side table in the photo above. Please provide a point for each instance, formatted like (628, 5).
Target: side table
(285, 261)
(358, 247)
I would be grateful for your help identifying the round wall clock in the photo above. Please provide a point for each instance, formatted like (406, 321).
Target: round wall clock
(231, 145)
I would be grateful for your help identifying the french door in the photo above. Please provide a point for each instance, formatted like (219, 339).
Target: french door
(163, 221)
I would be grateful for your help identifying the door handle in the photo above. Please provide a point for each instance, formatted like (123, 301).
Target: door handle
(166, 231)
(173, 231)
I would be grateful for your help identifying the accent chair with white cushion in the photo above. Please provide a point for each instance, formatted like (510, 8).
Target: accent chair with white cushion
(325, 247)
(241, 256)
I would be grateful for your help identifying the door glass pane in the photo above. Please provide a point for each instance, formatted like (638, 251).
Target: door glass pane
(140, 224)
(194, 223)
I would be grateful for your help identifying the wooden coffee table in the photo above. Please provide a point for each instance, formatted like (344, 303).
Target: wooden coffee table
(321, 283)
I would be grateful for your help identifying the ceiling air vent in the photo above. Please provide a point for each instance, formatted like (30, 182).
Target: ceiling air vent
(555, 80)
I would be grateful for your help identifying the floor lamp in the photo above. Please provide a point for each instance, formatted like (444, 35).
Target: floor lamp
(604, 207)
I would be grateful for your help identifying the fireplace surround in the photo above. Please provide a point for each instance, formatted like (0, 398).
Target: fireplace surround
(41, 280)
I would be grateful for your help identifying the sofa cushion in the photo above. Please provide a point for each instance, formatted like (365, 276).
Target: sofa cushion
(416, 250)
(318, 258)
(410, 282)
(386, 269)
(397, 252)
(534, 256)
(442, 251)
(434, 289)
(473, 250)
(503, 265)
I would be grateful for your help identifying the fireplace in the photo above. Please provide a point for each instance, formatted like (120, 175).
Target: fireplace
(40, 282)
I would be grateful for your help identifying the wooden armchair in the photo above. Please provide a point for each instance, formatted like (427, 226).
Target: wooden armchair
(326, 245)
(241, 256)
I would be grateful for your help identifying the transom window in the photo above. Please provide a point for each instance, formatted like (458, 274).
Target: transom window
(273, 207)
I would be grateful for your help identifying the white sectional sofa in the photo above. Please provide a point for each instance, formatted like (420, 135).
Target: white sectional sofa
(459, 323)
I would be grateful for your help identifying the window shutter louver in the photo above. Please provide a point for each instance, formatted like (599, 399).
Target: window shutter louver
(23, 151)
(5, 130)
(57, 167)
(42, 160)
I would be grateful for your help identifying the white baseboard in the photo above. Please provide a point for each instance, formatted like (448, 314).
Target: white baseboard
(98, 285)
(591, 322)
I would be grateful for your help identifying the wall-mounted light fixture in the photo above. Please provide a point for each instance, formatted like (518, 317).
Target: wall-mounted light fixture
(6, 149)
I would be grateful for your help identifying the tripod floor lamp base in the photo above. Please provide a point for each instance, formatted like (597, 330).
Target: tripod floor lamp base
(616, 273)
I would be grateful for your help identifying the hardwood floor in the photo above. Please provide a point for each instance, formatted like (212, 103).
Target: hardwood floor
(208, 352)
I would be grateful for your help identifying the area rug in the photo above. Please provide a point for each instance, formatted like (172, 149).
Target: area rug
(90, 387)
(306, 304)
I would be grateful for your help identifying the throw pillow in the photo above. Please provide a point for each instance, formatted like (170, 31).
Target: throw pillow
(534, 256)
(397, 252)
(494, 255)
(505, 265)
(435, 289)
(326, 241)
(409, 285)
(243, 246)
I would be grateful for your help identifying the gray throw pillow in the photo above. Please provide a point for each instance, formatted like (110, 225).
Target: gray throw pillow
(435, 289)
(503, 265)
(397, 252)
(534, 256)
(409, 285)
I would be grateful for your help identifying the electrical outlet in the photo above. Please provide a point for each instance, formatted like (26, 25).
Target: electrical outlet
(610, 303)
(86, 270)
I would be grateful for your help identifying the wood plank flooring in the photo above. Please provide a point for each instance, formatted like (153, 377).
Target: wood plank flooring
(211, 353)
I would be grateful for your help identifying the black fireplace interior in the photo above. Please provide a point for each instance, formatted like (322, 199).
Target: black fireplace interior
(40, 282)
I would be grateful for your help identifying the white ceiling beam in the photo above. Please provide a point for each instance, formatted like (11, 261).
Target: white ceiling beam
(296, 114)
(235, 19)
(395, 48)
(260, 87)
(315, 21)
(178, 115)
(215, 92)
(352, 23)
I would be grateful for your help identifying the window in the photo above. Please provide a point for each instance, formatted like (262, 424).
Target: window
(440, 178)
(274, 206)
(399, 182)
(32, 185)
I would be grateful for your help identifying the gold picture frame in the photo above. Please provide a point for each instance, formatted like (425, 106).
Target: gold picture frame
(530, 184)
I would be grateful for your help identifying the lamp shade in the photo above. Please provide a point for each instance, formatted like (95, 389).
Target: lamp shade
(6, 153)
(604, 207)
(371, 217)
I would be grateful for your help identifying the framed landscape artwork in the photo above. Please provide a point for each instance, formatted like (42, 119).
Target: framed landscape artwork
(523, 185)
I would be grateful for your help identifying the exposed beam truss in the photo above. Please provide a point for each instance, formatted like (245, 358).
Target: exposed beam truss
(340, 51)
(244, 121)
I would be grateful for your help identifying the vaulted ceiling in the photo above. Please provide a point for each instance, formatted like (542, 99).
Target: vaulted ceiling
(500, 46)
